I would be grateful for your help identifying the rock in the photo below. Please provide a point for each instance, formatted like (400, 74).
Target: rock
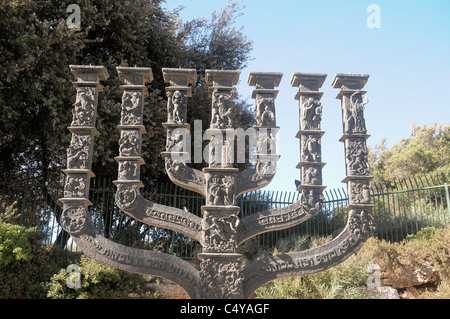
(387, 293)
(408, 277)
(410, 293)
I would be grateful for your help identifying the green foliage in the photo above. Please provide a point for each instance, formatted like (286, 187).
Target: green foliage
(25, 264)
(425, 233)
(36, 88)
(99, 281)
(425, 151)
(30, 270)
(15, 247)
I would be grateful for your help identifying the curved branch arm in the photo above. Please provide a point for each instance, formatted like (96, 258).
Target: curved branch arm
(255, 178)
(271, 220)
(184, 176)
(309, 204)
(126, 258)
(133, 204)
(359, 228)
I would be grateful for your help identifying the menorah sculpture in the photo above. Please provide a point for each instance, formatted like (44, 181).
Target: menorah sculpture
(220, 230)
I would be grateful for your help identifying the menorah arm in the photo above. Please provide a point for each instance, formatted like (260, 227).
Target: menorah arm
(184, 176)
(358, 229)
(256, 177)
(142, 261)
(136, 206)
(272, 220)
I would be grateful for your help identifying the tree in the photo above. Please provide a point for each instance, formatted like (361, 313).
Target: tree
(36, 91)
(425, 151)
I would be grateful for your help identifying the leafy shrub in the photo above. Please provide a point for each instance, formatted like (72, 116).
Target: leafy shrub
(31, 270)
(26, 265)
(15, 247)
(99, 281)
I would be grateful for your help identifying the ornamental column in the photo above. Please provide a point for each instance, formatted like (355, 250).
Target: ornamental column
(80, 152)
(310, 135)
(177, 145)
(131, 130)
(358, 179)
(266, 128)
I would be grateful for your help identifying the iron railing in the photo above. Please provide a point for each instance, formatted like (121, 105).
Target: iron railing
(402, 207)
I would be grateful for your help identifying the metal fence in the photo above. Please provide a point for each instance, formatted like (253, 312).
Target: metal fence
(402, 208)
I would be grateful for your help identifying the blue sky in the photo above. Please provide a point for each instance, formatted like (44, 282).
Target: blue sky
(408, 60)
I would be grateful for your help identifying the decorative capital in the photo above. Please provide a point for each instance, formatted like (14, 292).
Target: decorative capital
(129, 74)
(308, 83)
(265, 82)
(81, 71)
(349, 82)
(89, 75)
(179, 77)
(222, 80)
(222, 77)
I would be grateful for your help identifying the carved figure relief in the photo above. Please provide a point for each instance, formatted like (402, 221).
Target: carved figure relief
(266, 142)
(361, 223)
(179, 107)
(311, 175)
(128, 170)
(221, 110)
(75, 187)
(357, 156)
(73, 219)
(311, 115)
(354, 118)
(129, 143)
(264, 169)
(311, 151)
(220, 232)
(311, 201)
(126, 195)
(84, 107)
(220, 280)
(175, 141)
(265, 112)
(178, 169)
(78, 152)
(221, 189)
(131, 102)
(169, 107)
(359, 192)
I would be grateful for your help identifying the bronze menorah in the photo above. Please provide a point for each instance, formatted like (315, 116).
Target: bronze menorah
(220, 230)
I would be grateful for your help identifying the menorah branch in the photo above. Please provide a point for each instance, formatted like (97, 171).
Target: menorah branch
(131, 126)
(305, 262)
(177, 143)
